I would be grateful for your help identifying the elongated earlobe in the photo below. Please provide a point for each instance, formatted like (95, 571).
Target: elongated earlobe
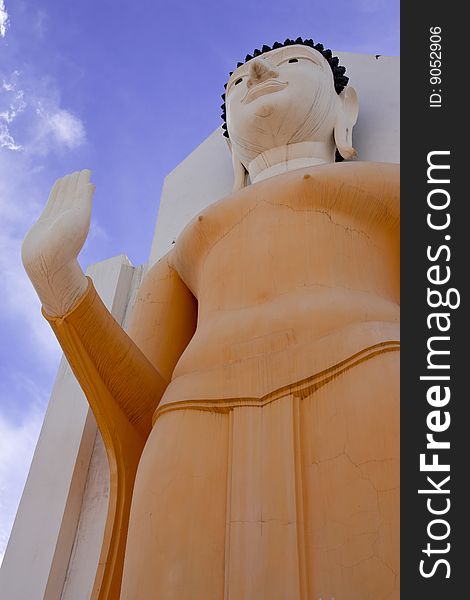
(347, 117)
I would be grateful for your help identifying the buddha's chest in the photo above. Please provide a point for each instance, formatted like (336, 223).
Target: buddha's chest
(269, 240)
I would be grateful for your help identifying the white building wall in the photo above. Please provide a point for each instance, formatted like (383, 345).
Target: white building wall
(51, 508)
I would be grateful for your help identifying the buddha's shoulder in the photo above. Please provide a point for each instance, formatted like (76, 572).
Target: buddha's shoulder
(316, 183)
(348, 186)
(326, 180)
(367, 188)
(362, 174)
(365, 169)
(355, 168)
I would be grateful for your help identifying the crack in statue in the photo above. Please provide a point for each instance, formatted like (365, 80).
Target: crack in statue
(260, 366)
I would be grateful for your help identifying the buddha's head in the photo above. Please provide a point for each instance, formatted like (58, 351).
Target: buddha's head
(293, 92)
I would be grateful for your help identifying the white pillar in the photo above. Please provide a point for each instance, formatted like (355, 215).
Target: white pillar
(51, 512)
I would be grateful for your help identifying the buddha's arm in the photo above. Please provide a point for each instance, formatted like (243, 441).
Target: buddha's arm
(124, 380)
(164, 317)
(126, 375)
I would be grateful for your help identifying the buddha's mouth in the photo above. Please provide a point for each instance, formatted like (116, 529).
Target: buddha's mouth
(260, 89)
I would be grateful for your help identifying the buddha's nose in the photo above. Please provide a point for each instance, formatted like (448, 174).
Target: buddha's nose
(261, 70)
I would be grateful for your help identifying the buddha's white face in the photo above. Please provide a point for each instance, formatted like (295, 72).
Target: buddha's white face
(281, 97)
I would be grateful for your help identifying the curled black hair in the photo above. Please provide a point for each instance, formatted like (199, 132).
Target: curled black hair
(340, 79)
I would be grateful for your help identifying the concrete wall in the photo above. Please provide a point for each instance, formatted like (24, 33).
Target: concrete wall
(63, 496)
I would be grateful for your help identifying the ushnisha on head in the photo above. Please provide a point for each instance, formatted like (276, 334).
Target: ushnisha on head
(287, 107)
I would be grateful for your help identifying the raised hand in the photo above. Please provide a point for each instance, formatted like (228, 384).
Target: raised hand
(51, 247)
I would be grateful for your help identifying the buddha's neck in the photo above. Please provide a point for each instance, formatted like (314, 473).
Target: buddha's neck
(290, 157)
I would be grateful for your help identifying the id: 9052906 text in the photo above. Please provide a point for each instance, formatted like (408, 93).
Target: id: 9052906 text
(435, 64)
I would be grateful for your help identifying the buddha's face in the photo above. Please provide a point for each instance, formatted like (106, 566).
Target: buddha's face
(282, 97)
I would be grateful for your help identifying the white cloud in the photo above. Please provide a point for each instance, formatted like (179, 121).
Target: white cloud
(13, 97)
(6, 139)
(17, 444)
(59, 126)
(12, 103)
(4, 21)
(42, 124)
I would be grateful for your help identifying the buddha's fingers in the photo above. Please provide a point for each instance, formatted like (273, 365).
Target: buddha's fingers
(66, 189)
(84, 192)
(46, 213)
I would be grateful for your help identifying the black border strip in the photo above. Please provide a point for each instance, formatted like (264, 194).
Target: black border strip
(425, 129)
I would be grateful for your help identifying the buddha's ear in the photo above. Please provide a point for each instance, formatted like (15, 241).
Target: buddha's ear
(345, 121)
(239, 171)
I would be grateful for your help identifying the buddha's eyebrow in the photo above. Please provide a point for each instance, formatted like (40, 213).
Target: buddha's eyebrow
(288, 53)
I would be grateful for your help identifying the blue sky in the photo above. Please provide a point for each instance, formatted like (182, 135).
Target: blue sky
(126, 89)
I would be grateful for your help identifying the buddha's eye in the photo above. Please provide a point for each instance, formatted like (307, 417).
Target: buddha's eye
(238, 81)
(293, 60)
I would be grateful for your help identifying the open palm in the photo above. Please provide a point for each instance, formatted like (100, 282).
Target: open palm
(60, 232)
(51, 247)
